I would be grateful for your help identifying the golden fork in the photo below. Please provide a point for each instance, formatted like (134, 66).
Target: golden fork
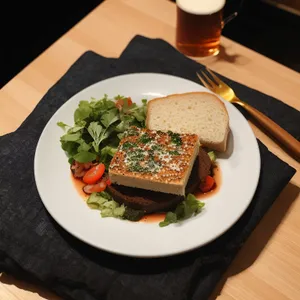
(222, 89)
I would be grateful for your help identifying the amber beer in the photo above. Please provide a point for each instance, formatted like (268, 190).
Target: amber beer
(199, 26)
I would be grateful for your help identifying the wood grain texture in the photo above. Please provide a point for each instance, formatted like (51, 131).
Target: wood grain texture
(268, 266)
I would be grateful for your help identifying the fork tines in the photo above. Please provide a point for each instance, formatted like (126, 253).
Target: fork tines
(207, 81)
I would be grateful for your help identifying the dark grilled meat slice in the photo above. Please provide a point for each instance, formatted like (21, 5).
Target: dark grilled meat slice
(204, 164)
(145, 200)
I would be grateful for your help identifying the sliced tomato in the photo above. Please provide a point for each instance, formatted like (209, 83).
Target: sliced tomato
(108, 181)
(207, 184)
(94, 174)
(95, 188)
(120, 103)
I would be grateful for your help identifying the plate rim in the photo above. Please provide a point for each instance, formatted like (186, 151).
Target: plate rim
(116, 251)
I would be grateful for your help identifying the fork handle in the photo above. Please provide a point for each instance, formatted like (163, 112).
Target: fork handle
(278, 132)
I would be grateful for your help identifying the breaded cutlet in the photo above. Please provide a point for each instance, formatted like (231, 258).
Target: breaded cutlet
(154, 160)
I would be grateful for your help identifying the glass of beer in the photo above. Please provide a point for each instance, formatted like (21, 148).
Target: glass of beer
(199, 26)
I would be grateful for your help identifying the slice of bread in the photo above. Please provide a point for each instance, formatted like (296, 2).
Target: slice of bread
(200, 113)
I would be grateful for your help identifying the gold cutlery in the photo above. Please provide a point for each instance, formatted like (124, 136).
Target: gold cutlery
(219, 87)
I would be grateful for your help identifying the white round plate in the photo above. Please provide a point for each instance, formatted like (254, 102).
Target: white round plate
(240, 168)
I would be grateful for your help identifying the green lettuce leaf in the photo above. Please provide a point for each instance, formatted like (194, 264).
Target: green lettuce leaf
(96, 201)
(108, 150)
(71, 137)
(75, 129)
(85, 156)
(191, 206)
(119, 211)
(169, 219)
(70, 148)
(106, 213)
(212, 156)
(106, 155)
(83, 146)
(133, 214)
(120, 135)
(105, 195)
(95, 130)
(104, 202)
(83, 111)
(109, 117)
(62, 125)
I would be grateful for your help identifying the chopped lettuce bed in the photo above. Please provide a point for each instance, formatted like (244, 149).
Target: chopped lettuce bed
(105, 203)
(110, 208)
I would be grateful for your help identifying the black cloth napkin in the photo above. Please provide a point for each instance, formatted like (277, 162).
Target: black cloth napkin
(34, 247)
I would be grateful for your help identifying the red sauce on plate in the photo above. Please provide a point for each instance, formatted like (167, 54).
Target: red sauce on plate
(79, 184)
(153, 218)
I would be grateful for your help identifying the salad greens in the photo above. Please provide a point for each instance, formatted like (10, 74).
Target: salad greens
(105, 203)
(99, 125)
(184, 210)
(110, 208)
(212, 156)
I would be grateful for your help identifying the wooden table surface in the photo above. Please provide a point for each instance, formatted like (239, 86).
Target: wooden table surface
(268, 266)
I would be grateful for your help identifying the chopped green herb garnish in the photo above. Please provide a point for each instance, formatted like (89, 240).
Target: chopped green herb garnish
(134, 163)
(136, 167)
(174, 152)
(137, 154)
(156, 147)
(175, 138)
(144, 139)
(128, 145)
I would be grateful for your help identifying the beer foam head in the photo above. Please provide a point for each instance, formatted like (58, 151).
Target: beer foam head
(201, 7)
